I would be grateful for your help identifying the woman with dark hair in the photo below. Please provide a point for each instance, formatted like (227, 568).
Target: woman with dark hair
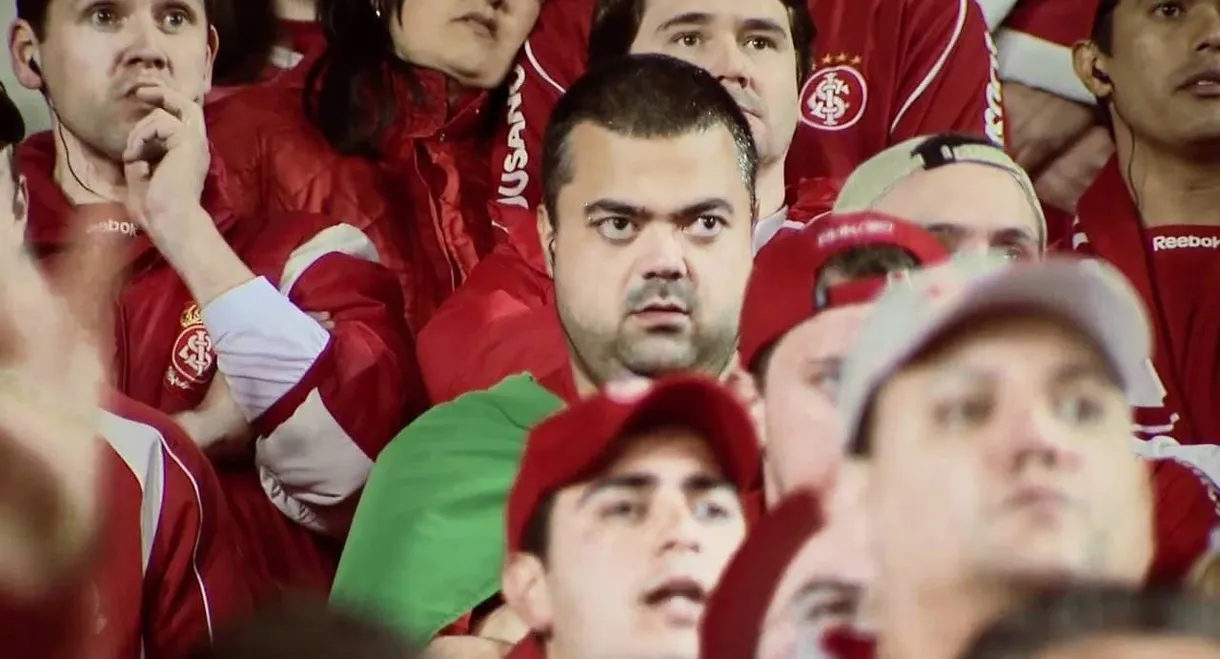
(263, 39)
(388, 131)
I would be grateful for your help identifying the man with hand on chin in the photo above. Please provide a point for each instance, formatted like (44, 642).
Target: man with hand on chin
(211, 321)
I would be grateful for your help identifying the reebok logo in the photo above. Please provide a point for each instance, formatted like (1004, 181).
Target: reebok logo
(1185, 242)
(116, 226)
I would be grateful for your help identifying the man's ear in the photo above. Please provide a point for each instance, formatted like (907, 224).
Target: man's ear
(1090, 66)
(213, 48)
(23, 53)
(546, 234)
(523, 583)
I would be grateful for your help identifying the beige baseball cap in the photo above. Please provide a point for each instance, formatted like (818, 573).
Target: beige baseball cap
(879, 174)
(912, 313)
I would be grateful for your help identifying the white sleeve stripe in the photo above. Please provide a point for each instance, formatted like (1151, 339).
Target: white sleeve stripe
(529, 54)
(310, 462)
(962, 11)
(341, 238)
(1041, 64)
(203, 589)
(139, 446)
(995, 11)
(264, 344)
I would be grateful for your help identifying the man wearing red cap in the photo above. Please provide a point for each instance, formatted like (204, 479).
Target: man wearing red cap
(626, 509)
(1154, 212)
(805, 302)
(991, 402)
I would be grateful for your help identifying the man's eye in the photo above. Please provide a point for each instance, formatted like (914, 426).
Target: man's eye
(963, 413)
(707, 226)
(176, 19)
(707, 509)
(688, 39)
(1079, 409)
(103, 15)
(623, 510)
(1169, 9)
(762, 43)
(616, 228)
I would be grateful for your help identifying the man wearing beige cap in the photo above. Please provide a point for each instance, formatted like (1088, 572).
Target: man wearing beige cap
(962, 188)
(991, 401)
(626, 508)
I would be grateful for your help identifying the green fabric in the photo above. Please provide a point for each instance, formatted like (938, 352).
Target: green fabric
(427, 542)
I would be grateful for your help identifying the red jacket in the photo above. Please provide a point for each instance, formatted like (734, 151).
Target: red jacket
(424, 206)
(1184, 427)
(887, 70)
(170, 569)
(504, 322)
(304, 42)
(323, 404)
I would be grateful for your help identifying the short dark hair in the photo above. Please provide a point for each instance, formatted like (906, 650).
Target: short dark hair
(646, 96)
(1102, 33)
(863, 262)
(536, 539)
(34, 12)
(248, 32)
(616, 24)
(1089, 612)
(12, 126)
(307, 629)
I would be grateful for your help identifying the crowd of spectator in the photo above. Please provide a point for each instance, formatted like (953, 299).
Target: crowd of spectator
(611, 329)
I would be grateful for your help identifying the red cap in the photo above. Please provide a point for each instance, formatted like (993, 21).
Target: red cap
(781, 293)
(733, 619)
(570, 446)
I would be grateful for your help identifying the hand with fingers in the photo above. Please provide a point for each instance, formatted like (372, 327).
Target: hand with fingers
(52, 381)
(166, 161)
(218, 425)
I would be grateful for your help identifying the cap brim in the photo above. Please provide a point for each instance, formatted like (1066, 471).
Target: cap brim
(1103, 308)
(708, 409)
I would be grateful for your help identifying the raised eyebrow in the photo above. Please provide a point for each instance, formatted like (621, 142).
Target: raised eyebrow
(634, 482)
(704, 207)
(615, 207)
(703, 483)
(689, 19)
(1081, 371)
(764, 25)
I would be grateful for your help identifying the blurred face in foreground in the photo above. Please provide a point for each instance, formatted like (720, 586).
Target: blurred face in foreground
(1137, 647)
(634, 553)
(1003, 454)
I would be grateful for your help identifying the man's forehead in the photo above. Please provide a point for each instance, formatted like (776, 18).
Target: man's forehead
(661, 14)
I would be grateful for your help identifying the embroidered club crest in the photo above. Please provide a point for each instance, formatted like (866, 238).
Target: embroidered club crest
(193, 360)
(835, 96)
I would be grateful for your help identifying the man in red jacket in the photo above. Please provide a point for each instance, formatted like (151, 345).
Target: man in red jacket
(1153, 212)
(627, 507)
(210, 321)
(882, 71)
(763, 70)
(146, 507)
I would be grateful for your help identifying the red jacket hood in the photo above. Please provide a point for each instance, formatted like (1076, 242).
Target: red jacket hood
(54, 221)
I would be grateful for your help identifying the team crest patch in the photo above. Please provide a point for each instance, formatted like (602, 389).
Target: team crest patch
(836, 94)
(193, 360)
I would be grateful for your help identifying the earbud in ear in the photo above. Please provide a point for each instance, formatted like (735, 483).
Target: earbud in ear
(550, 248)
(1100, 76)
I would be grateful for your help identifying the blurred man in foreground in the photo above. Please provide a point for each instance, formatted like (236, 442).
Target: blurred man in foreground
(991, 402)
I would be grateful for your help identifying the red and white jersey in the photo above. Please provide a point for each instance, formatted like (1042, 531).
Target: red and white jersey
(168, 570)
(884, 71)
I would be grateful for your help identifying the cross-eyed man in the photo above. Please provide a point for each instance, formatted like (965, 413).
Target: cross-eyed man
(627, 508)
(648, 235)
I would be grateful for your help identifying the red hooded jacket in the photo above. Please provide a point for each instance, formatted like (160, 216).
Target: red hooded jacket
(1175, 278)
(322, 403)
(424, 205)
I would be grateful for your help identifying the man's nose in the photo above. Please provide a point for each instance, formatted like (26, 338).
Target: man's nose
(664, 256)
(146, 48)
(729, 64)
(678, 528)
(1208, 37)
(1031, 436)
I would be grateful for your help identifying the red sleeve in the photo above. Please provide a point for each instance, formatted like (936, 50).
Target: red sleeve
(1035, 45)
(1186, 515)
(551, 60)
(195, 578)
(949, 79)
(500, 323)
(320, 439)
